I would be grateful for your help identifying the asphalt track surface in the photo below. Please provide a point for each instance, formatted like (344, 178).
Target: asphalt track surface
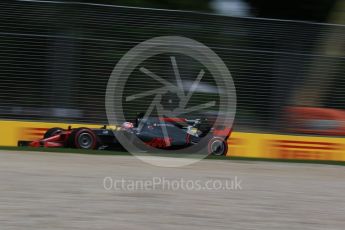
(65, 191)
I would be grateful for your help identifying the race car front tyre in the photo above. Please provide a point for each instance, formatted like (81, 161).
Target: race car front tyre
(83, 138)
(217, 146)
(52, 132)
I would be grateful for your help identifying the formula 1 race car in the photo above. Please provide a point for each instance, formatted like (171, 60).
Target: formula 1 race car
(180, 132)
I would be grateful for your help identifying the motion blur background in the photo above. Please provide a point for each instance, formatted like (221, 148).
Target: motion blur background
(56, 57)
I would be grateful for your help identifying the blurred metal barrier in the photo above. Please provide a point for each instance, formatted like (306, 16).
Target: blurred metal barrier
(56, 59)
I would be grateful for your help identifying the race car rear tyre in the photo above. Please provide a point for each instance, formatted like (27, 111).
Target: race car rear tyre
(217, 146)
(83, 138)
(52, 132)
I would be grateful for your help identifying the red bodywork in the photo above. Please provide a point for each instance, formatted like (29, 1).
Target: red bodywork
(159, 142)
(57, 140)
(224, 133)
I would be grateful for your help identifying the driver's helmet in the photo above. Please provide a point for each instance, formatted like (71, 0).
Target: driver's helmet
(127, 125)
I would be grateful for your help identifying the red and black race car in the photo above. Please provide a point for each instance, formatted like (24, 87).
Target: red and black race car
(180, 133)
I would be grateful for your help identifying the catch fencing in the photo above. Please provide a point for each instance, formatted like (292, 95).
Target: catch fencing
(56, 59)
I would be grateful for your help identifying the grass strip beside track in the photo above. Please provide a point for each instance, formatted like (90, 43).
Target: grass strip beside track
(278, 160)
(67, 150)
(124, 153)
